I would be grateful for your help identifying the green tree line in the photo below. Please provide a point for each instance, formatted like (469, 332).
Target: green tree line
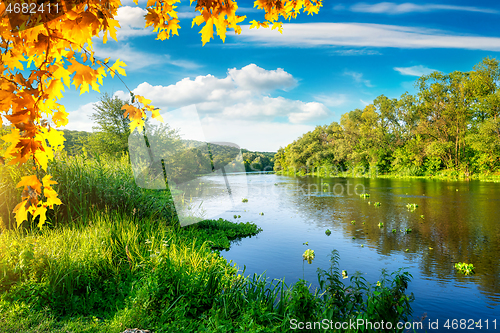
(450, 126)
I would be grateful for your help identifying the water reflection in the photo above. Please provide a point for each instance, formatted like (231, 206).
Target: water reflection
(454, 222)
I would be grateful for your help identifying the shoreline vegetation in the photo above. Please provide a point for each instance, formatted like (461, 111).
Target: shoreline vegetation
(446, 175)
(450, 129)
(114, 257)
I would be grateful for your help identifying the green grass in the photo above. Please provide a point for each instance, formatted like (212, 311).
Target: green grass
(114, 257)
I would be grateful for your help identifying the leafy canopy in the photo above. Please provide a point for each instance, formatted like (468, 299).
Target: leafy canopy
(45, 52)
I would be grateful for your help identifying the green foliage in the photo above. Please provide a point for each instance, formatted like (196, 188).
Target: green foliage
(258, 161)
(328, 232)
(385, 300)
(467, 269)
(412, 207)
(111, 130)
(84, 183)
(452, 123)
(308, 255)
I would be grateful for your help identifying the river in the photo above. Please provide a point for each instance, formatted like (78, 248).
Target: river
(455, 221)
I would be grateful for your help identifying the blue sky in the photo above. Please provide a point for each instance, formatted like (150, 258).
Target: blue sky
(262, 89)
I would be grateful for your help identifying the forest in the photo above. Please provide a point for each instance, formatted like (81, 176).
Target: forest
(450, 127)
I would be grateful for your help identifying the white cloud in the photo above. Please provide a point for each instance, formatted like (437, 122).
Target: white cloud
(270, 108)
(394, 8)
(252, 77)
(79, 120)
(132, 22)
(355, 52)
(187, 15)
(133, 58)
(333, 100)
(364, 102)
(137, 59)
(236, 108)
(414, 70)
(365, 35)
(241, 95)
(358, 78)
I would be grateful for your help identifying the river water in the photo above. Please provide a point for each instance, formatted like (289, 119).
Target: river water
(455, 221)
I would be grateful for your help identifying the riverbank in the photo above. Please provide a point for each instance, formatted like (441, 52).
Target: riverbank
(443, 175)
(114, 257)
(114, 272)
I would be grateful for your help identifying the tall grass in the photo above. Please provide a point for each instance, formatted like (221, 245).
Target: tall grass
(116, 258)
(85, 183)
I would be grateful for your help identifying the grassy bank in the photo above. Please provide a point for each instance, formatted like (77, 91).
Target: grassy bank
(114, 272)
(114, 257)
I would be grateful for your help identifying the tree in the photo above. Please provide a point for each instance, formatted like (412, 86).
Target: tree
(112, 129)
(38, 57)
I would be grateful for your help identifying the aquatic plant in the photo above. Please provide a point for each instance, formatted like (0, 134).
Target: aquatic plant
(412, 206)
(344, 274)
(422, 217)
(235, 216)
(244, 200)
(308, 255)
(394, 231)
(467, 269)
(328, 232)
(306, 243)
(239, 216)
(353, 222)
(364, 195)
(381, 225)
(407, 250)
(261, 213)
(369, 202)
(362, 245)
(377, 204)
(353, 237)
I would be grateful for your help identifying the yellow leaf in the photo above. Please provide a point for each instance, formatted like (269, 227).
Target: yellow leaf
(207, 32)
(198, 20)
(142, 100)
(41, 159)
(21, 212)
(40, 211)
(60, 117)
(116, 68)
(156, 115)
(255, 24)
(46, 181)
(31, 181)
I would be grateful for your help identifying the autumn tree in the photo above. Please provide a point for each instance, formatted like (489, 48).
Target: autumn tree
(47, 46)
